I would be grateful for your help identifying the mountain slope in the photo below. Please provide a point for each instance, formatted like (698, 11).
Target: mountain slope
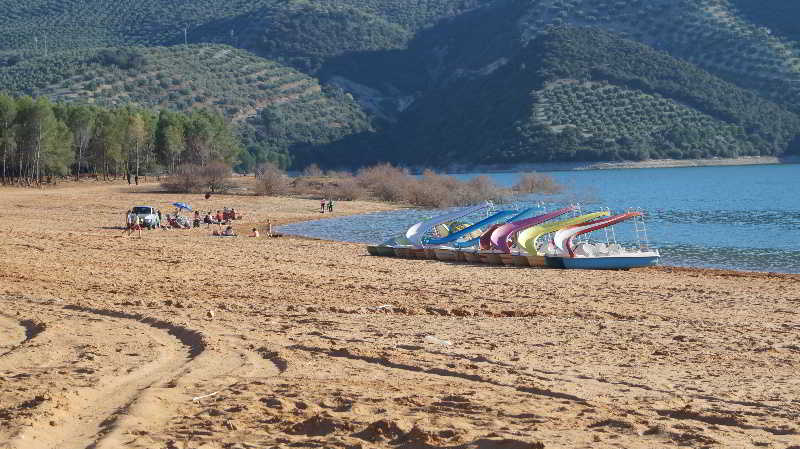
(584, 94)
(432, 81)
(70, 24)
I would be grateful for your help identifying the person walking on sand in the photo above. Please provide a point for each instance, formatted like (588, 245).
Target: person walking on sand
(269, 228)
(330, 205)
(322, 206)
(137, 226)
(128, 221)
(159, 219)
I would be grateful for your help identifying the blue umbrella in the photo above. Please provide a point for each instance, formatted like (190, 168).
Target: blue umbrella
(182, 206)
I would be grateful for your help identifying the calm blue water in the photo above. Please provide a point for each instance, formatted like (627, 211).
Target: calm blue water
(744, 218)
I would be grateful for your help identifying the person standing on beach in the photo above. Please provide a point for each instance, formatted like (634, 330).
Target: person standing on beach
(159, 219)
(322, 206)
(137, 226)
(269, 228)
(330, 205)
(128, 221)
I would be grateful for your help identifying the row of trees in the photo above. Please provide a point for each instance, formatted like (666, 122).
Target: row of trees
(39, 139)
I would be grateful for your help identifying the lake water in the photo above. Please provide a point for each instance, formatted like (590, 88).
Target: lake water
(741, 217)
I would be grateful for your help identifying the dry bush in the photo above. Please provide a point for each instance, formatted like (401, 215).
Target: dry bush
(393, 184)
(481, 188)
(185, 179)
(312, 171)
(191, 178)
(271, 180)
(303, 186)
(216, 176)
(385, 182)
(536, 183)
(346, 189)
(338, 174)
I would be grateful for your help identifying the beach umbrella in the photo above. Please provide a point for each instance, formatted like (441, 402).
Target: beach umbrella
(182, 206)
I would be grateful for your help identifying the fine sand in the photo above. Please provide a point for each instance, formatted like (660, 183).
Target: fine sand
(183, 340)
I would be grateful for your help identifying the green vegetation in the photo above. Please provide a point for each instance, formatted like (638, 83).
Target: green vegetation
(40, 140)
(581, 94)
(70, 24)
(606, 114)
(778, 15)
(713, 34)
(307, 35)
(282, 107)
(351, 82)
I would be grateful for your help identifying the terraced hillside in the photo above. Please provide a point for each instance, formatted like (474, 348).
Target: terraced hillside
(69, 24)
(408, 80)
(238, 83)
(712, 34)
(583, 94)
(608, 113)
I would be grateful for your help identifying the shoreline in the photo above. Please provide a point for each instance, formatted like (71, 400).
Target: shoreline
(609, 165)
(697, 269)
(277, 342)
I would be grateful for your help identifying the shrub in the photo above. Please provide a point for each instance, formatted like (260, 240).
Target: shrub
(393, 184)
(346, 189)
(385, 182)
(216, 176)
(536, 183)
(271, 180)
(185, 179)
(191, 178)
(312, 170)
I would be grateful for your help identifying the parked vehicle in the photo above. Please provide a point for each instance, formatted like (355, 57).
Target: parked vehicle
(147, 215)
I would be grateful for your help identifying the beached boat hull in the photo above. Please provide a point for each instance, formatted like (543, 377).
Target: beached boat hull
(418, 253)
(537, 261)
(520, 260)
(404, 252)
(604, 263)
(446, 255)
(491, 258)
(471, 256)
(379, 250)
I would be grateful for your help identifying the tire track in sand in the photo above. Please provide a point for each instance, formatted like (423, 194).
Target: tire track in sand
(12, 334)
(102, 415)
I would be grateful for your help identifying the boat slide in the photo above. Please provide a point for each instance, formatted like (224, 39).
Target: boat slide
(417, 232)
(496, 218)
(499, 237)
(528, 238)
(563, 238)
(494, 242)
(483, 239)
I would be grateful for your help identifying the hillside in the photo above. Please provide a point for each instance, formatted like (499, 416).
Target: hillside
(70, 24)
(582, 94)
(715, 35)
(242, 86)
(431, 81)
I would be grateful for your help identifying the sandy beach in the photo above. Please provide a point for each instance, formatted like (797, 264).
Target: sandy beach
(183, 340)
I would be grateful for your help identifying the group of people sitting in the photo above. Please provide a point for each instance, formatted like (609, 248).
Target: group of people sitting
(222, 217)
(176, 221)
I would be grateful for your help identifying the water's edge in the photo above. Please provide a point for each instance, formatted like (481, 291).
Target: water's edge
(610, 165)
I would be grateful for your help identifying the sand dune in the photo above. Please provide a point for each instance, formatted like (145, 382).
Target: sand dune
(183, 340)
